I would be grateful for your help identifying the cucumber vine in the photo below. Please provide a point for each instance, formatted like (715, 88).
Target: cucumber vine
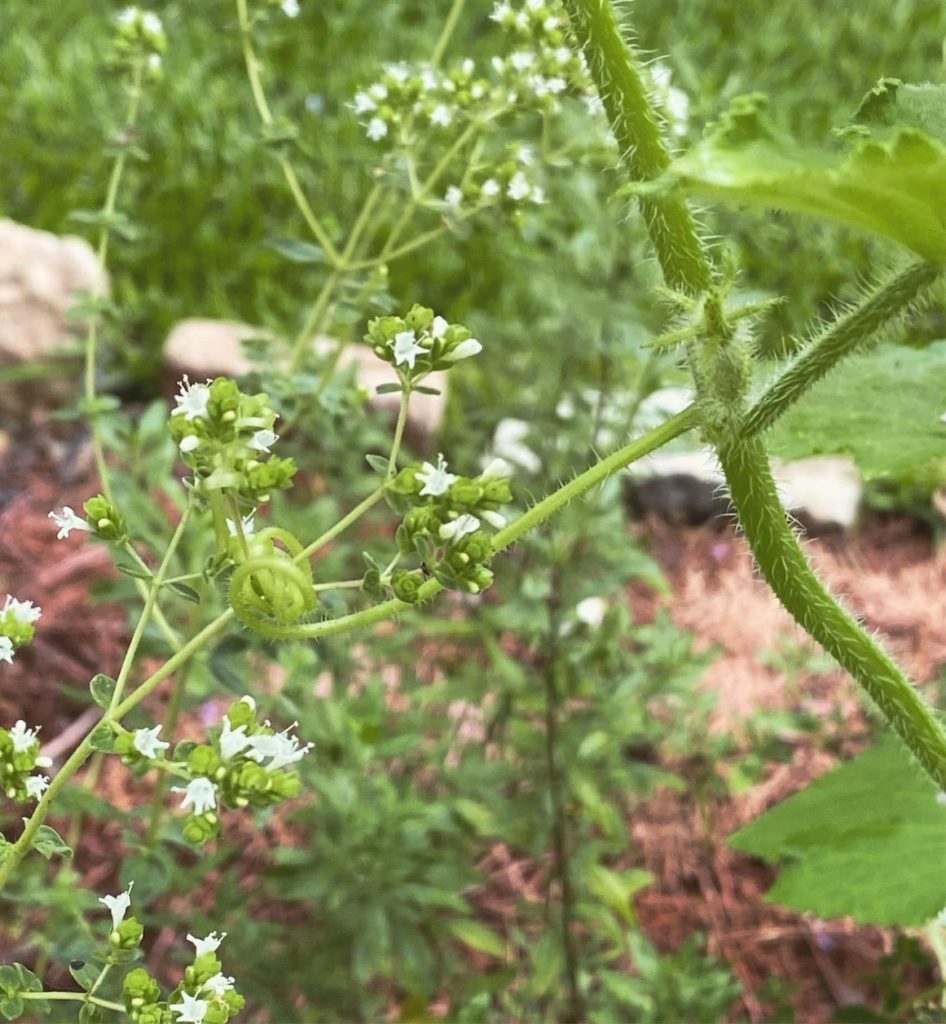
(721, 368)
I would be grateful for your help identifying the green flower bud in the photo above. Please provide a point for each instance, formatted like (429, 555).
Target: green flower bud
(106, 520)
(497, 491)
(465, 493)
(128, 934)
(203, 760)
(407, 585)
(139, 985)
(198, 829)
(406, 481)
(243, 712)
(419, 318)
(477, 546)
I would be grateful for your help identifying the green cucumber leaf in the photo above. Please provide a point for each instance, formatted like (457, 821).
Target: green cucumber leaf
(892, 186)
(885, 409)
(867, 840)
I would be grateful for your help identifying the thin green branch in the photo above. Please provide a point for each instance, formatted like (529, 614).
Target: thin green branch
(108, 211)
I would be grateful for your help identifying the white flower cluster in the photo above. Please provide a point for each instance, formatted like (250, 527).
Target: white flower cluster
(509, 184)
(20, 740)
(193, 1007)
(17, 619)
(422, 95)
(543, 66)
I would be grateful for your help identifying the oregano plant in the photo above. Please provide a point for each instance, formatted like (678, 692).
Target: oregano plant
(441, 163)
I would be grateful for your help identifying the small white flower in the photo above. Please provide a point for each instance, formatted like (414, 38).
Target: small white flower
(152, 23)
(192, 399)
(496, 519)
(441, 115)
(22, 737)
(218, 985)
(436, 479)
(247, 522)
(593, 105)
(154, 62)
(128, 16)
(67, 520)
(399, 72)
(497, 469)
(563, 55)
(377, 129)
(363, 103)
(378, 91)
(941, 918)
(290, 8)
(490, 188)
(519, 186)
(459, 527)
(189, 444)
(208, 945)
(232, 741)
(439, 327)
(537, 195)
(262, 440)
(535, 5)
(477, 90)
(146, 742)
(591, 611)
(454, 196)
(522, 60)
(199, 793)
(501, 12)
(118, 905)
(428, 79)
(280, 748)
(406, 349)
(470, 347)
(6, 650)
(36, 786)
(191, 1011)
(43, 762)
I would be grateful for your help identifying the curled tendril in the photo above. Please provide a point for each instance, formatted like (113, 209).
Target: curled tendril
(269, 590)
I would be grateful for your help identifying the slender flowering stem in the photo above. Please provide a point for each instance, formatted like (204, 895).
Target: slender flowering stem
(72, 997)
(253, 66)
(147, 610)
(399, 431)
(449, 26)
(108, 211)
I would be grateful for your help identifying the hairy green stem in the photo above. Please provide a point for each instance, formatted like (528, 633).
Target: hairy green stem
(887, 303)
(598, 473)
(635, 125)
(788, 572)
(744, 460)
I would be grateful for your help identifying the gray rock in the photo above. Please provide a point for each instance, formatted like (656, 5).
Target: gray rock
(40, 274)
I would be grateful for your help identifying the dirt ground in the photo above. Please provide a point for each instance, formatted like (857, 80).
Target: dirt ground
(888, 573)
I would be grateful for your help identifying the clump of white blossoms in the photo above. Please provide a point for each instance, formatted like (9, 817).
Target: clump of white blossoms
(205, 995)
(19, 756)
(248, 764)
(17, 625)
(420, 342)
